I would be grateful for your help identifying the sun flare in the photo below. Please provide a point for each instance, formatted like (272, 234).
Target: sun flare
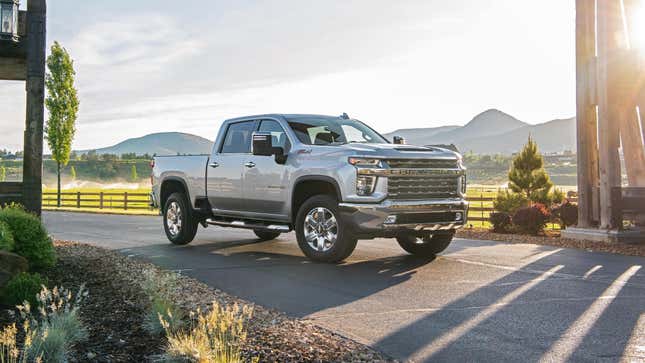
(637, 34)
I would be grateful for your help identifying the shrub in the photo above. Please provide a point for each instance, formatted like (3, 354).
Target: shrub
(548, 198)
(158, 287)
(6, 237)
(509, 202)
(566, 213)
(30, 236)
(216, 336)
(56, 328)
(500, 221)
(160, 310)
(532, 219)
(23, 287)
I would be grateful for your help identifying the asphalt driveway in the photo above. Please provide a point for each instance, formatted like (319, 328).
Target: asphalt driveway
(480, 301)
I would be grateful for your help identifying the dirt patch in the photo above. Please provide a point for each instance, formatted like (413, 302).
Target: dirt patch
(552, 238)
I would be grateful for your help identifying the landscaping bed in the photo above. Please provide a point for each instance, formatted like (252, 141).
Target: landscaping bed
(553, 238)
(115, 309)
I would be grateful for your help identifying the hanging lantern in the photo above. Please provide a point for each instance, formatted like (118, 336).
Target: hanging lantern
(9, 20)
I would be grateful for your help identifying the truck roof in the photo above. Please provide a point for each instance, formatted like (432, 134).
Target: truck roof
(282, 115)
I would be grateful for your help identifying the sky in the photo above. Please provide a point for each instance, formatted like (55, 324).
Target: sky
(154, 66)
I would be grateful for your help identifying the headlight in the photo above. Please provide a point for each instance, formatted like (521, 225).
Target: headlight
(365, 184)
(364, 162)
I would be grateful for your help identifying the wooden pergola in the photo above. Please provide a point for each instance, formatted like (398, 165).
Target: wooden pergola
(610, 118)
(22, 58)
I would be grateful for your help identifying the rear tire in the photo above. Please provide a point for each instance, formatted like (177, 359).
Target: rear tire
(334, 241)
(266, 235)
(427, 246)
(179, 220)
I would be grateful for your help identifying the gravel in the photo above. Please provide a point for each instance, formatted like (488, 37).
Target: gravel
(552, 238)
(115, 310)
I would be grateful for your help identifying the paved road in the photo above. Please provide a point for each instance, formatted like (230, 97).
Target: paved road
(482, 301)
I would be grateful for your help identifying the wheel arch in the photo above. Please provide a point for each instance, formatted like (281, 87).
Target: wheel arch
(171, 185)
(307, 186)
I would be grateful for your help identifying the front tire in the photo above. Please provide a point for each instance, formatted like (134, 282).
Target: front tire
(427, 246)
(322, 235)
(179, 220)
(266, 235)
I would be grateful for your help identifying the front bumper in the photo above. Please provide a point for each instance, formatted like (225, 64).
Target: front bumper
(411, 216)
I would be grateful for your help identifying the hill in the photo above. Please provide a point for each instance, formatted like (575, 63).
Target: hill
(420, 133)
(552, 136)
(495, 132)
(165, 143)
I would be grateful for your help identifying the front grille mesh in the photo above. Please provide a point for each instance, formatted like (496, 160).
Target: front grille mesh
(425, 187)
(422, 164)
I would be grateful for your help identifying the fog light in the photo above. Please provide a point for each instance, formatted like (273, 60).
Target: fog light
(459, 216)
(390, 220)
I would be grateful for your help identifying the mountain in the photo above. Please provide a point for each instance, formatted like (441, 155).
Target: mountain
(487, 123)
(552, 136)
(421, 133)
(495, 132)
(165, 143)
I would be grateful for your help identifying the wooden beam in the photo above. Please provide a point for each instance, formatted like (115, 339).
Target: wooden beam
(609, 27)
(586, 124)
(33, 153)
(13, 69)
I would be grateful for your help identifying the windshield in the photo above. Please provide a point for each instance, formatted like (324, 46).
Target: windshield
(320, 130)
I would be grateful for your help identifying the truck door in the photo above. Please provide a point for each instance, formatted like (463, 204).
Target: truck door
(265, 181)
(226, 169)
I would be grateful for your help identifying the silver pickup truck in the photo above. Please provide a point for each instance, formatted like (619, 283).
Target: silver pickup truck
(333, 180)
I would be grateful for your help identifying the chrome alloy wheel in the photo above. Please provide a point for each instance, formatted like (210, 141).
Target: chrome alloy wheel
(321, 229)
(174, 218)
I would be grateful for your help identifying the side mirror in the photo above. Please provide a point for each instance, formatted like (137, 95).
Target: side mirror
(263, 146)
(398, 140)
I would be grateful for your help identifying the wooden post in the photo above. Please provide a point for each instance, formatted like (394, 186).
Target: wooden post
(33, 142)
(587, 139)
(125, 201)
(78, 200)
(101, 200)
(609, 16)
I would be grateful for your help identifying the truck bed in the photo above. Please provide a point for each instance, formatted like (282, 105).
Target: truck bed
(189, 168)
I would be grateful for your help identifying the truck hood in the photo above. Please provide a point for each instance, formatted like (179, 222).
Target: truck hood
(401, 151)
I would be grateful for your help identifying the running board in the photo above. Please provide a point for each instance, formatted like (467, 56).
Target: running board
(249, 225)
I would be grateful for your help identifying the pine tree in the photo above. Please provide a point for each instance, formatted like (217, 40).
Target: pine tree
(133, 173)
(62, 104)
(527, 175)
(72, 172)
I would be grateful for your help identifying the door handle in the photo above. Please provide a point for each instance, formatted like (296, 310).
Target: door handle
(250, 164)
(213, 165)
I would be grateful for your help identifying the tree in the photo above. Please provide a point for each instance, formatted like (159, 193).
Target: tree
(3, 173)
(133, 173)
(527, 175)
(62, 104)
(72, 172)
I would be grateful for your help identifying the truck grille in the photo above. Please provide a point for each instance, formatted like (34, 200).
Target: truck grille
(422, 164)
(422, 187)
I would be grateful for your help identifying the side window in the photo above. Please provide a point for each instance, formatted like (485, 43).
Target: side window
(238, 138)
(277, 133)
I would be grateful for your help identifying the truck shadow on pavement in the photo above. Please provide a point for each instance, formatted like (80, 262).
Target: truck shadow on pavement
(553, 308)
